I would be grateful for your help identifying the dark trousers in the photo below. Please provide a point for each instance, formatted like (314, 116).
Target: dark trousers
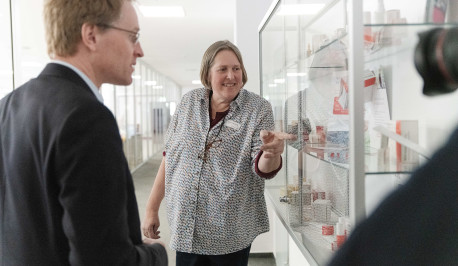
(238, 258)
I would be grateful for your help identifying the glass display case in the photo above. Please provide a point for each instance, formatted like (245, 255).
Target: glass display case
(341, 76)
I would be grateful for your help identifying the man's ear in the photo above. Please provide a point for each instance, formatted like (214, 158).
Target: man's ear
(89, 35)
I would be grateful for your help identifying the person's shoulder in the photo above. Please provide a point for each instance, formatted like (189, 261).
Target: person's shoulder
(198, 93)
(253, 98)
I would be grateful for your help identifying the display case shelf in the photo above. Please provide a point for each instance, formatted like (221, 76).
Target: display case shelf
(317, 252)
(377, 164)
(402, 38)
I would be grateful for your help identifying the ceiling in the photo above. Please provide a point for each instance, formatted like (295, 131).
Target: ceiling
(175, 46)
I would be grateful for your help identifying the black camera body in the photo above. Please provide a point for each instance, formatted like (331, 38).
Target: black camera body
(436, 60)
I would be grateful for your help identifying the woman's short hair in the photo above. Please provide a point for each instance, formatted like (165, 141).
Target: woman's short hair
(209, 58)
(64, 19)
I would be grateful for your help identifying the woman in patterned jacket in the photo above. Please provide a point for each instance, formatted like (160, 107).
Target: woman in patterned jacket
(219, 150)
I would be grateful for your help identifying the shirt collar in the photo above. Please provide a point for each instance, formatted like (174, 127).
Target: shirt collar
(234, 104)
(89, 82)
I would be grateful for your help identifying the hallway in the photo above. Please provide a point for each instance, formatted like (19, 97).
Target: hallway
(143, 181)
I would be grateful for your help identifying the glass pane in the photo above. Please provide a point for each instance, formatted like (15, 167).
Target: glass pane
(121, 114)
(30, 52)
(143, 98)
(6, 65)
(404, 127)
(138, 135)
(107, 91)
(324, 124)
(304, 75)
(382, 12)
(273, 77)
(148, 108)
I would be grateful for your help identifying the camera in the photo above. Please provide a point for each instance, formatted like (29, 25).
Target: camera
(436, 60)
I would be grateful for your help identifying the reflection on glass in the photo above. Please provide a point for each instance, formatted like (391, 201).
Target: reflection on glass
(6, 70)
(305, 77)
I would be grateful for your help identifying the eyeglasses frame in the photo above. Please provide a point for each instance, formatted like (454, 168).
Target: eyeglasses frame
(134, 33)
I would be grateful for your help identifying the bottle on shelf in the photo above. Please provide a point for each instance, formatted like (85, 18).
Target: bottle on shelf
(340, 232)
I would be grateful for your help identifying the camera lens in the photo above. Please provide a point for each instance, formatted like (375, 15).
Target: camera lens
(436, 55)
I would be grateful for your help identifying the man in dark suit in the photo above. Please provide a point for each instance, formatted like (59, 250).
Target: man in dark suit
(66, 193)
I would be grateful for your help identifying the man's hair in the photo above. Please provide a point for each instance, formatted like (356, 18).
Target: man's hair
(209, 58)
(64, 18)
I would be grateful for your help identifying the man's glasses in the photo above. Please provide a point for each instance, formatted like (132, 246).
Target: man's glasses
(134, 35)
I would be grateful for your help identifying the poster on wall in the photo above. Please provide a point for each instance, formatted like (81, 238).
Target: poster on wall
(341, 101)
(436, 11)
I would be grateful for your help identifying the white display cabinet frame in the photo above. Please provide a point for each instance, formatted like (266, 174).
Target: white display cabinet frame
(363, 176)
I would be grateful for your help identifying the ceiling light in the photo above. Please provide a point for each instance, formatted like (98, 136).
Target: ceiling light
(300, 9)
(136, 77)
(150, 82)
(197, 82)
(272, 85)
(279, 81)
(161, 11)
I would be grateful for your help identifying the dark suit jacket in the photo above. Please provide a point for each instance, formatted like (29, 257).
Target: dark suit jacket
(66, 195)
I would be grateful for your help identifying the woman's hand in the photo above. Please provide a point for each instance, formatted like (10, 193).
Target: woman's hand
(150, 226)
(273, 142)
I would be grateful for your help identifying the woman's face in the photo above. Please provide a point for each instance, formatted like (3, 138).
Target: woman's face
(225, 76)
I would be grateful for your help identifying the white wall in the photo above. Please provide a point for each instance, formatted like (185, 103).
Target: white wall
(6, 67)
(247, 19)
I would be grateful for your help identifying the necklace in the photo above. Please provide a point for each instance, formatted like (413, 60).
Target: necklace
(215, 142)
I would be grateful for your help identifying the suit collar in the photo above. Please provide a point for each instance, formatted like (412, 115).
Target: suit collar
(62, 71)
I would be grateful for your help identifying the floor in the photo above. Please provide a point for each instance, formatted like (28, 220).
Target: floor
(143, 179)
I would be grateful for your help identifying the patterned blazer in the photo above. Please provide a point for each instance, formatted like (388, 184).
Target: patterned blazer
(215, 201)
